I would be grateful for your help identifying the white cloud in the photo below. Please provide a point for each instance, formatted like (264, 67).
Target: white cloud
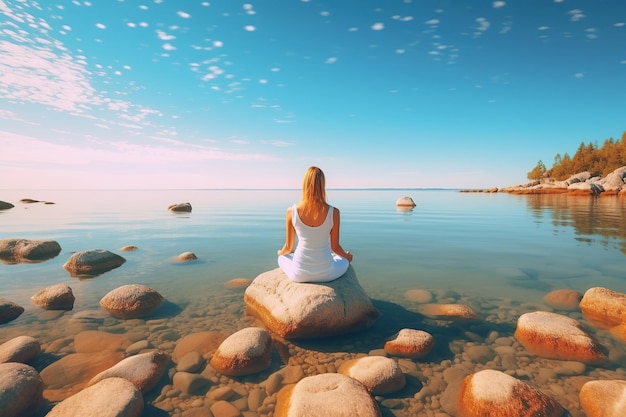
(543, 28)
(249, 28)
(169, 47)
(183, 15)
(378, 26)
(432, 22)
(498, 4)
(164, 36)
(331, 60)
(576, 15)
(218, 44)
(483, 24)
(579, 75)
(619, 24)
(100, 26)
(277, 143)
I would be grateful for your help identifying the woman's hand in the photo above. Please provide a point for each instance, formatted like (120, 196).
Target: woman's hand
(348, 256)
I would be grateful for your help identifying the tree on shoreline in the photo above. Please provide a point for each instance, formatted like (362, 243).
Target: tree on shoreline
(588, 157)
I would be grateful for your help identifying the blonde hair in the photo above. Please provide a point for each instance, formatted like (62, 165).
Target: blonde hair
(314, 190)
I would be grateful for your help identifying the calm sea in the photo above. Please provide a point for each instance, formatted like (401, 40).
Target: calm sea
(477, 244)
(501, 250)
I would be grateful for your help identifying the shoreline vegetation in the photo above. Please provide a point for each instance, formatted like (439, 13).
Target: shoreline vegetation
(592, 171)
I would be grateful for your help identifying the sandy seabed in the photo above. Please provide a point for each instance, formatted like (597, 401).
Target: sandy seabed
(461, 348)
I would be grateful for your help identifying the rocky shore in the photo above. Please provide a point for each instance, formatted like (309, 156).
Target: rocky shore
(583, 183)
(271, 347)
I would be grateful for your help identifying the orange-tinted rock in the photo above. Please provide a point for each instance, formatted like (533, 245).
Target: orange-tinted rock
(9, 311)
(555, 336)
(20, 390)
(450, 312)
(245, 352)
(563, 299)
(19, 349)
(410, 343)
(180, 207)
(143, 370)
(326, 395)
(24, 250)
(187, 256)
(603, 398)
(92, 341)
(496, 394)
(70, 374)
(380, 375)
(603, 307)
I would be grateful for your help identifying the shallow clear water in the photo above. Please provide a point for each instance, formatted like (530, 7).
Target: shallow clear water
(496, 247)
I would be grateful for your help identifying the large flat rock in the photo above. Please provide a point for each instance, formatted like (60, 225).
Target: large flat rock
(309, 310)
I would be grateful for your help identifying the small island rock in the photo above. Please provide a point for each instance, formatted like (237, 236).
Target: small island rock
(131, 301)
(21, 390)
(92, 262)
(304, 310)
(55, 297)
(496, 394)
(111, 397)
(181, 207)
(19, 349)
(326, 395)
(555, 336)
(186, 256)
(405, 202)
(245, 352)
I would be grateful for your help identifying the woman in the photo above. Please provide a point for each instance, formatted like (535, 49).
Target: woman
(318, 256)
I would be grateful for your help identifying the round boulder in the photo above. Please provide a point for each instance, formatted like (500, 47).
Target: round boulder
(380, 375)
(245, 352)
(555, 336)
(603, 398)
(111, 397)
(496, 394)
(21, 390)
(24, 250)
(19, 349)
(9, 311)
(603, 307)
(180, 207)
(92, 262)
(202, 342)
(410, 343)
(131, 301)
(55, 297)
(326, 395)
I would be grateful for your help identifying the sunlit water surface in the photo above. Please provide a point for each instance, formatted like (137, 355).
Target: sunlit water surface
(496, 247)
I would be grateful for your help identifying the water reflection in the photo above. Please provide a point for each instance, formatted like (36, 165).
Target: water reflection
(598, 219)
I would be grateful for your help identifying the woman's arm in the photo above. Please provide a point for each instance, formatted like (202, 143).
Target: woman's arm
(290, 235)
(334, 237)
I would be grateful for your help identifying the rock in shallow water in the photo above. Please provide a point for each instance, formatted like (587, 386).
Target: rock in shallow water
(380, 375)
(306, 310)
(21, 390)
(92, 262)
(143, 370)
(555, 336)
(245, 352)
(111, 397)
(131, 301)
(24, 250)
(55, 297)
(326, 395)
(19, 349)
(9, 311)
(604, 398)
(496, 394)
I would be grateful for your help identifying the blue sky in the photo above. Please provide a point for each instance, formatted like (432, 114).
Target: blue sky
(243, 94)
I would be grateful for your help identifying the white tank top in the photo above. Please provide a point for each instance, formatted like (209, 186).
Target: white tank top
(313, 255)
